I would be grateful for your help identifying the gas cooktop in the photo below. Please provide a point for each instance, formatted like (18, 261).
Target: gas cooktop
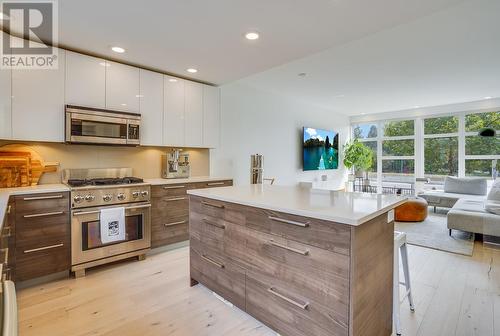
(103, 181)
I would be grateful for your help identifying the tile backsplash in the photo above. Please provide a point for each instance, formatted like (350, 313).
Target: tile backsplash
(145, 161)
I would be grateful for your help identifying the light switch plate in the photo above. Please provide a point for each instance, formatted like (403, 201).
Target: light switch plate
(390, 216)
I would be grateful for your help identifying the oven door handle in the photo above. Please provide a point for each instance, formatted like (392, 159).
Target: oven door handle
(97, 211)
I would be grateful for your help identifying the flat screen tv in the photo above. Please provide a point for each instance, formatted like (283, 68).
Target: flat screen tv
(320, 149)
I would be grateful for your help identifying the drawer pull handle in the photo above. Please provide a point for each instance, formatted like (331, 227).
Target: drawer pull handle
(174, 187)
(220, 226)
(44, 214)
(175, 223)
(7, 232)
(219, 206)
(302, 252)
(175, 199)
(44, 248)
(212, 261)
(9, 208)
(42, 198)
(80, 213)
(287, 221)
(215, 183)
(295, 303)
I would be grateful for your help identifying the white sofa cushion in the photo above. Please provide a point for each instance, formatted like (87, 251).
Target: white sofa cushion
(463, 185)
(494, 194)
(492, 207)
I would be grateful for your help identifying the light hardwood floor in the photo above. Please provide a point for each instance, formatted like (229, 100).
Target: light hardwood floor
(454, 295)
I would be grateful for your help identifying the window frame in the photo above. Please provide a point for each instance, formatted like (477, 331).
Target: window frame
(419, 136)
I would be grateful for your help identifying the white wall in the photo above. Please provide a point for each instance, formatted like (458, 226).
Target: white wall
(254, 121)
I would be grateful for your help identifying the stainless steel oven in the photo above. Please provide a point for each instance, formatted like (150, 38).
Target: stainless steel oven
(99, 126)
(86, 242)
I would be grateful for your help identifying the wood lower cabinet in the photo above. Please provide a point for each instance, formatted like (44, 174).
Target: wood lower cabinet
(300, 276)
(170, 210)
(42, 236)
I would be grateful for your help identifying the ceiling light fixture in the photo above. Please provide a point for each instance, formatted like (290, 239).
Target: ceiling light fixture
(104, 64)
(302, 74)
(487, 97)
(119, 50)
(173, 80)
(123, 104)
(192, 70)
(139, 96)
(252, 36)
(416, 106)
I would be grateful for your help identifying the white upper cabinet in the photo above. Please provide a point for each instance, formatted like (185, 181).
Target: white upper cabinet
(122, 87)
(38, 103)
(5, 102)
(173, 117)
(193, 125)
(211, 116)
(151, 107)
(85, 80)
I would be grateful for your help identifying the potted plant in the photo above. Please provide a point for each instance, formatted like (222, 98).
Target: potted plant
(358, 157)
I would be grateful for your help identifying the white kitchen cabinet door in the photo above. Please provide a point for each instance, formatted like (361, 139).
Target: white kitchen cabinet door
(211, 116)
(5, 103)
(122, 87)
(174, 106)
(193, 125)
(151, 107)
(85, 80)
(38, 103)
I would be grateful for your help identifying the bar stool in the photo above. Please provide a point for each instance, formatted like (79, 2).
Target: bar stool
(400, 245)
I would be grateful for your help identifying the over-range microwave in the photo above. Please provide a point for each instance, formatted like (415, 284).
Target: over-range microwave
(88, 125)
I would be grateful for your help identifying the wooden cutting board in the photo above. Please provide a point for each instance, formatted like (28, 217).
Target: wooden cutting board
(23, 166)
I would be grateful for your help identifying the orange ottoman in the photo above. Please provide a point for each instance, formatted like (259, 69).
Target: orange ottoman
(414, 210)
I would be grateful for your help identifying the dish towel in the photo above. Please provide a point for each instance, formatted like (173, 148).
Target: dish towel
(112, 222)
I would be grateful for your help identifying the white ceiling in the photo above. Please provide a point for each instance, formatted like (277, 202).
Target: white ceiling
(447, 57)
(172, 35)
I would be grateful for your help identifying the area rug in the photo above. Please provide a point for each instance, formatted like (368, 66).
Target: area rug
(433, 233)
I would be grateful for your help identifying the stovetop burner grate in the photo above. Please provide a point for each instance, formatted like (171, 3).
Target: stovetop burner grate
(104, 181)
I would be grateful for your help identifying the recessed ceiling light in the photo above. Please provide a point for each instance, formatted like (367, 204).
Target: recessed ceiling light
(252, 36)
(123, 104)
(104, 64)
(172, 80)
(139, 96)
(488, 97)
(302, 74)
(119, 50)
(192, 70)
(416, 106)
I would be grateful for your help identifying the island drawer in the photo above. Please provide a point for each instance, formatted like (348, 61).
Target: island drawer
(320, 275)
(207, 207)
(323, 234)
(219, 275)
(289, 312)
(40, 204)
(212, 184)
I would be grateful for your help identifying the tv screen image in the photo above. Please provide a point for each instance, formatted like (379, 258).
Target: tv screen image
(320, 149)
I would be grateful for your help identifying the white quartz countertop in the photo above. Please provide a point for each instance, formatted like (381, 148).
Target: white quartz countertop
(5, 193)
(337, 206)
(194, 179)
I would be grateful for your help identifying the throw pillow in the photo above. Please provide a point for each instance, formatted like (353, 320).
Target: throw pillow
(494, 194)
(493, 207)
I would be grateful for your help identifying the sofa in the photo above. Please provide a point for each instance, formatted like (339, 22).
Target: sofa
(455, 189)
(477, 215)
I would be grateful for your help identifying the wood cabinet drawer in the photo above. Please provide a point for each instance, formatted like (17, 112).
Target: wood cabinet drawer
(287, 311)
(212, 184)
(42, 258)
(172, 206)
(319, 275)
(170, 230)
(323, 234)
(35, 204)
(168, 190)
(41, 228)
(226, 211)
(219, 275)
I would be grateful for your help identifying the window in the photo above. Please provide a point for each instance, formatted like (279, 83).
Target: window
(399, 128)
(441, 151)
(481, 168)
(398, 147)
(477, 145)
(365, 131)
(440, 157)
(441, 125)
(474, 122)
(398, 170)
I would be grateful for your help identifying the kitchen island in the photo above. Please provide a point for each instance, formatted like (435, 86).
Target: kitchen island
(302, 261)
